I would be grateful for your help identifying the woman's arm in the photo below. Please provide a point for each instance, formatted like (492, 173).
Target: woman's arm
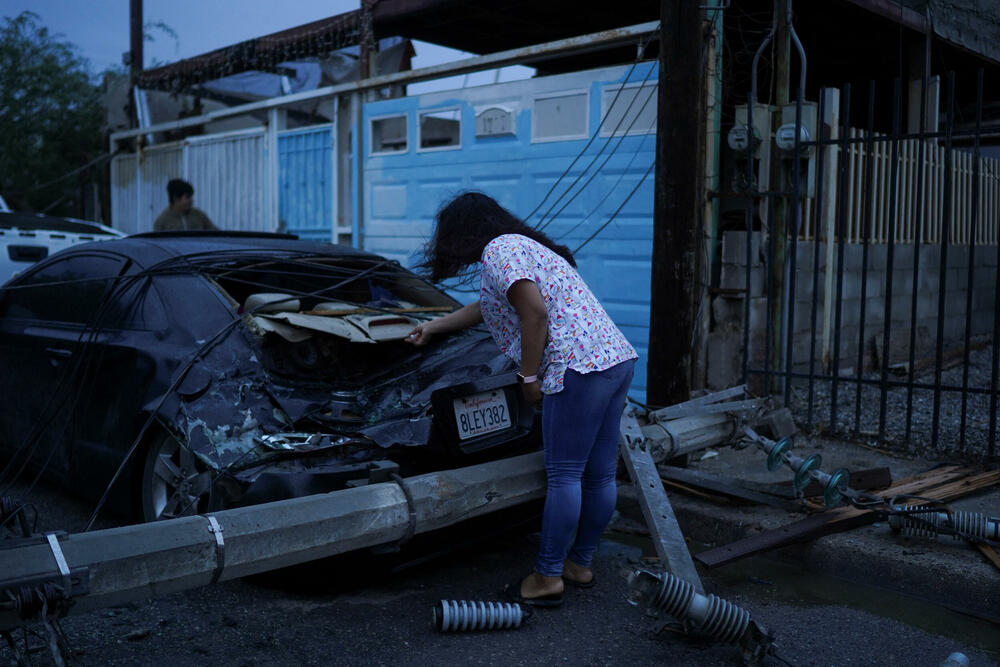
(534, 316)
(464, 317)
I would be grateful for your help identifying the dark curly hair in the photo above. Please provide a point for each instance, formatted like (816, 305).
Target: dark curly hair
(465, 225)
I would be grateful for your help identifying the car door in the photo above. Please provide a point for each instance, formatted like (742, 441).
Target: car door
(45, 319)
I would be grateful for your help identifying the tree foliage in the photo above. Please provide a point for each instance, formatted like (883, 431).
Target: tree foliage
(51, 116)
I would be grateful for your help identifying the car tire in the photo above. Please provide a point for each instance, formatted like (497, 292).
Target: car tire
(175, 482)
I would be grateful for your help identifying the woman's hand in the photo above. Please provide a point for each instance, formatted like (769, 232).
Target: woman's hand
(422, 333)
(533, 392)
(466, 316)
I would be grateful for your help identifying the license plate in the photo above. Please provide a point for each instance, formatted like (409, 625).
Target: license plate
(480, 414)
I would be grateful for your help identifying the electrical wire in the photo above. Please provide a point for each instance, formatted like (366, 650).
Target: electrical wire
(542, 224)
(617, 210)
(607, 194)
(641, 50)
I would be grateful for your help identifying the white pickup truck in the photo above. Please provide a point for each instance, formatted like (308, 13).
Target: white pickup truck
(26, 238)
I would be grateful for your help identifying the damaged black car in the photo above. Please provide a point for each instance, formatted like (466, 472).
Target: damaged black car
(169, 374)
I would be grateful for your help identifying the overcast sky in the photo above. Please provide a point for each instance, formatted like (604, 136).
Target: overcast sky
(100, 29)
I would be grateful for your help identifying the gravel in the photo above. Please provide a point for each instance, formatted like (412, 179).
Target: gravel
(859, 419)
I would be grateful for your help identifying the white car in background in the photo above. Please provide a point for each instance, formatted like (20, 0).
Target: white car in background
(26, 238)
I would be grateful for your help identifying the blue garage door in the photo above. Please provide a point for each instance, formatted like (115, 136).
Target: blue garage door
(526, 143)
(305, 182)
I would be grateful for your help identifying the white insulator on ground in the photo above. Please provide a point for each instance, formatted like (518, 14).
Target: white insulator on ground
(707, 615)
(469, 615)
(932, 522)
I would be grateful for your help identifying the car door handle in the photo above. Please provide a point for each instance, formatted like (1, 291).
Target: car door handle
(59, 352)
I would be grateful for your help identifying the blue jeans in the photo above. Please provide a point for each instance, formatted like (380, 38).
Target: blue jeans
(580, 428)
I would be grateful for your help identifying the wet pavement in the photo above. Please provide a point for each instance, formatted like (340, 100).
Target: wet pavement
(357, 610)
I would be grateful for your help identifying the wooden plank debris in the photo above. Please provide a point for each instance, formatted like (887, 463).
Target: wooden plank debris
(727, 486)
(944, 484)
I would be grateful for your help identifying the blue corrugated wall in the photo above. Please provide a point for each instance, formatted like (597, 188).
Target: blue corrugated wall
(403, 191)
(305, 182)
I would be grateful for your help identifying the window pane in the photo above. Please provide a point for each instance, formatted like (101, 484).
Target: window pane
(439, 129)
(636, 105)
(389, 135)
(67, 291)
(561, 117)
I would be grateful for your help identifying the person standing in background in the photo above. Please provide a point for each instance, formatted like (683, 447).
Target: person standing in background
(181, 215)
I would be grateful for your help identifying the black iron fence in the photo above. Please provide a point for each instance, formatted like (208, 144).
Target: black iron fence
(871, 269)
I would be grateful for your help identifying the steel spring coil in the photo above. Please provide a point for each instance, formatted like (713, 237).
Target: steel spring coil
(470, 615)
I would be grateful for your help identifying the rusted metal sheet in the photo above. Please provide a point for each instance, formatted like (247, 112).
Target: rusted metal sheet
(667, 537)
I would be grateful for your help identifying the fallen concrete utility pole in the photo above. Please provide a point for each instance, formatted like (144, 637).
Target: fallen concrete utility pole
(77, 573)
(114, 566)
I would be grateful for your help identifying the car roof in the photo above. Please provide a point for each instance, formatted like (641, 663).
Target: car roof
(39, 221)
(153, 247)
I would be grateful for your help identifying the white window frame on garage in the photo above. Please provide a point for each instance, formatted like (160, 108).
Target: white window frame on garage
(535, 139)
(608, 127)
(371, 134)
(431, 149)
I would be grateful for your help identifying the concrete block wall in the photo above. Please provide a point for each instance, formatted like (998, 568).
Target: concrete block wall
(864, 270)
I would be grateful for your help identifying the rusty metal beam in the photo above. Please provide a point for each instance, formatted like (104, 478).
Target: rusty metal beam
(573, 45)
(895, 12)
(310, 39)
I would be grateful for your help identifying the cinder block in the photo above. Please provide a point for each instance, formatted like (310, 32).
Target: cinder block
(725, 360)
(958, 255)
(853, 257)
(877, 254)
(930, 256)
(902, 255)
(728, 310)
(735, 277)
(850, 312)
(803, 255)
(734, 247)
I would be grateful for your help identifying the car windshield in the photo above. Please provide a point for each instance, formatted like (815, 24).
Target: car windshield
(317, 280)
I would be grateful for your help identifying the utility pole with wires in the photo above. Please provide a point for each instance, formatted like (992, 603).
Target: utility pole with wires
(678, 197)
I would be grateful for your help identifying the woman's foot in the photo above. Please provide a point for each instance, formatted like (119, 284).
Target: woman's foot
(536, 585)
(536, 589)
(577, 575)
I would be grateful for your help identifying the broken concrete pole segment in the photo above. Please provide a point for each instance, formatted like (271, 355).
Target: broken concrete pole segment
(156, 559)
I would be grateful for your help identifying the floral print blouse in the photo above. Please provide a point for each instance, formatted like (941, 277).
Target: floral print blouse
(581, 335)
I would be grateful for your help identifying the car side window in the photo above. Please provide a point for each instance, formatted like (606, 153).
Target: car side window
(135, 304)
(69, 291)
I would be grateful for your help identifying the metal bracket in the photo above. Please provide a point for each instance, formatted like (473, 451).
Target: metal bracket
(220, 546)
(631, 433)
(57, 553)
(411, 525)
